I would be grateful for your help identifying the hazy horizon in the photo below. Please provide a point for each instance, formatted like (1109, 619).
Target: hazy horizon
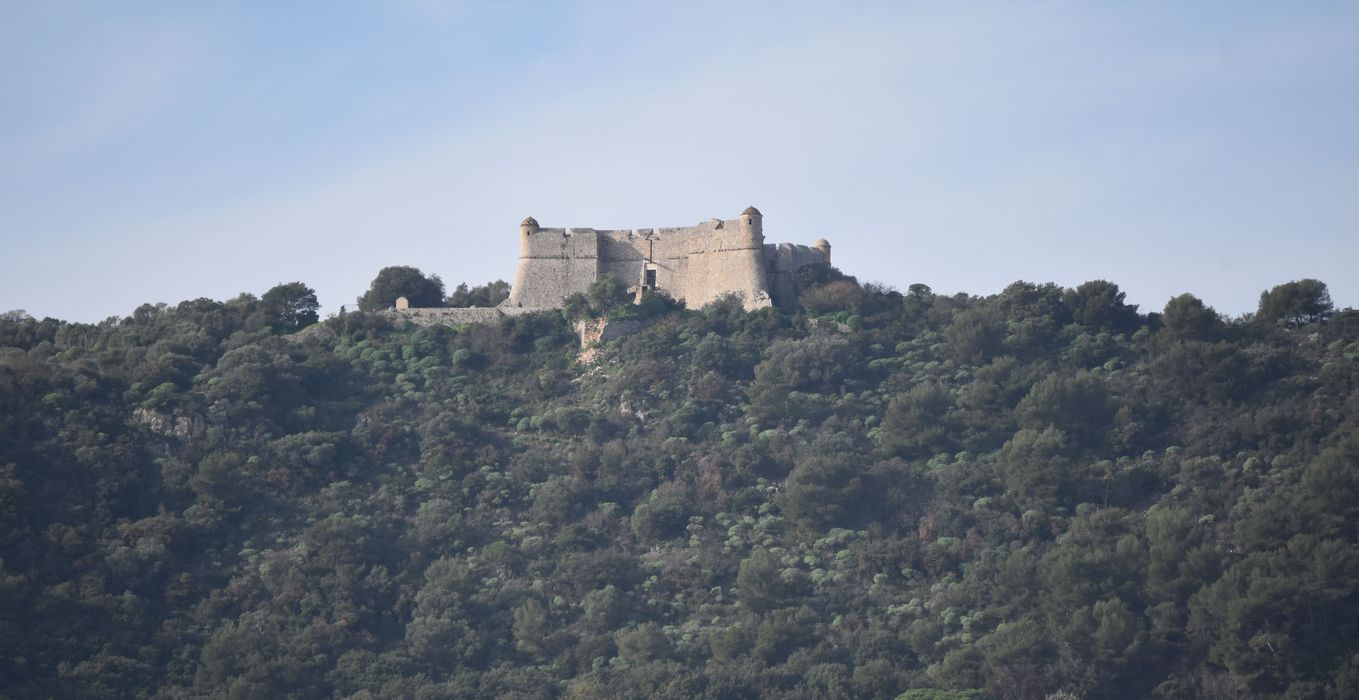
(157, 153)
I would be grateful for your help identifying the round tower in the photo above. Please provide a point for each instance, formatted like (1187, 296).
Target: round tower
(752, 226)
(527, 228)
(823, 245)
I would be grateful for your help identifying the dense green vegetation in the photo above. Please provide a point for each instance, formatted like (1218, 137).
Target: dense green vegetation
(426, 292)
(1041, 493)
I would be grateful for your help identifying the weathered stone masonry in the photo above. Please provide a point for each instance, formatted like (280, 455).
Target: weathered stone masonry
(696, 264)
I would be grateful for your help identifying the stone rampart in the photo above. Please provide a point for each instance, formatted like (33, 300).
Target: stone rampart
(556, 260)
(695, 264)
(457, 317)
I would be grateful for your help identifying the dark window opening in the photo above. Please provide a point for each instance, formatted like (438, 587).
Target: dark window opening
(650, 278)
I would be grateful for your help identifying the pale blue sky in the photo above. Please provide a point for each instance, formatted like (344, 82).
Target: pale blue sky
(165, 151)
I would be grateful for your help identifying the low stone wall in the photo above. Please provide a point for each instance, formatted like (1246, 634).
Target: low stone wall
(458, 317)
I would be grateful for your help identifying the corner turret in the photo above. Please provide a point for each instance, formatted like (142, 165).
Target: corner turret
(823, 245)
(527, 228)
(752, 226)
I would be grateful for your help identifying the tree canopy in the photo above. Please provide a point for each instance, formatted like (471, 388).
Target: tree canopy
(489, 294)
(1296, 303)
(402, 281)
(290, 306)
(1041, 494)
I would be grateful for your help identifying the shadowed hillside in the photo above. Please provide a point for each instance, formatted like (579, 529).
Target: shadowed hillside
(1035, 493)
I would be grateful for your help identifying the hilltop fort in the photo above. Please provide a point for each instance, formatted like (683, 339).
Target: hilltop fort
(694, 264)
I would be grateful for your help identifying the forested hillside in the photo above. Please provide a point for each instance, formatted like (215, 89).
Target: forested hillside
(1042, 493)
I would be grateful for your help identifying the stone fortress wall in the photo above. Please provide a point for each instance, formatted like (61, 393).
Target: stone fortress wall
(456, 317)
(696, 264)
